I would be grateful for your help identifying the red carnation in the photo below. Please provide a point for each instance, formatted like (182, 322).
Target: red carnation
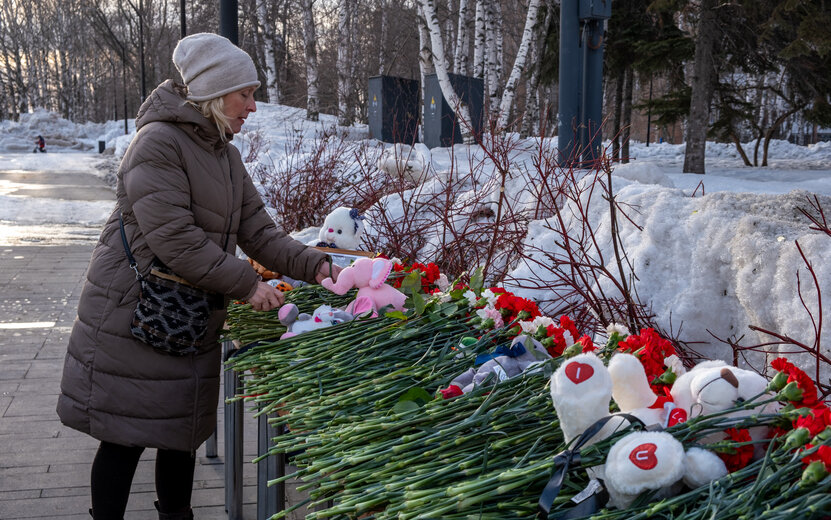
(782, 365)
(588, 344)
(805, 383)
(823, 454)
(737, 457)
(450, 392)
(651, 349)
(816, 421)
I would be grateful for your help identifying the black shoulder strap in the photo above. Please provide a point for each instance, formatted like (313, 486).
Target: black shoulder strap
(133, 263)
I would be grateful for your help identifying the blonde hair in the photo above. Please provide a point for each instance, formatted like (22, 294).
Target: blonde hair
(213, 110)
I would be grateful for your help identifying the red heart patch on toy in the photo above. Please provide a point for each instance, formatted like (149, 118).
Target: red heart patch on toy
(677, 416)
(579, 372)
(643, 456)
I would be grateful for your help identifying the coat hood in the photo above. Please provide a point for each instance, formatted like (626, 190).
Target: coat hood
(167, 103)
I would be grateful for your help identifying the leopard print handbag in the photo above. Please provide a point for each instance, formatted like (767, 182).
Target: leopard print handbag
(172, 315)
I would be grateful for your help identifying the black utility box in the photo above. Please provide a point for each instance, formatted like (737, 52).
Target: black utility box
(393, 109)
(441, 127)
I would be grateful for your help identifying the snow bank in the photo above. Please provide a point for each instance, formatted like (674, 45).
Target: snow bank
(61, 135)
(714, 264)
(718, 262)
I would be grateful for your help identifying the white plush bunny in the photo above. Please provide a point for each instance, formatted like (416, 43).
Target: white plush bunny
(342, 229)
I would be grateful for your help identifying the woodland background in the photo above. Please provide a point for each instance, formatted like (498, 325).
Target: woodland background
(736, 70)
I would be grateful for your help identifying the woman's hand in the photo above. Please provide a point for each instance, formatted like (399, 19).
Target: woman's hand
(323, 272)
(266, 298)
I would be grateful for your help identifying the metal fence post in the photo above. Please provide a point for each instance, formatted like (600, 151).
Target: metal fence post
(233, 440)
(270, 500)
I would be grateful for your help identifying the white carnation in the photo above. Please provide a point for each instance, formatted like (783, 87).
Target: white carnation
(675, 364)
(487, 293)
(617, 327)
(442, 283)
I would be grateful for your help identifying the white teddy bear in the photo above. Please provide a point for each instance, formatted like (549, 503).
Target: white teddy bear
(342, 229)
(581, 390)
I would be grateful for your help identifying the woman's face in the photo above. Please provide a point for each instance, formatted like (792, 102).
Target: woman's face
(237, 106)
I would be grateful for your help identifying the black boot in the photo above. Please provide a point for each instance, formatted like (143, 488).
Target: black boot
(92, 515)
(187, 515)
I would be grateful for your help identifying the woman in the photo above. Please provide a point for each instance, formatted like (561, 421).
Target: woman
(186, 199)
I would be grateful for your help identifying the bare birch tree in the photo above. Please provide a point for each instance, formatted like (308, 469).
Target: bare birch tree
(461, 55)
(480, 40)
(310, 45)
(425, 65)
(493, 48)
(272, 83)
(428, 10)
(531, 24)
(344, 63)
(382, 49)
(532, 117)
(448, 34)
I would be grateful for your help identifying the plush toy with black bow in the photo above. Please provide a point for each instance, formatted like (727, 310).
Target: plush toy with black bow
(582, 388)
(342, 229)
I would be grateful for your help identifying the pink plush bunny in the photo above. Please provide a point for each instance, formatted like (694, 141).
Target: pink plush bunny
(368, 276)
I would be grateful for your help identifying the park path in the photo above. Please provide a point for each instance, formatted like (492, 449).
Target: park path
(45, 466)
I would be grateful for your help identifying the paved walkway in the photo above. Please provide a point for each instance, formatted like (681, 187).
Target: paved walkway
(44, 466)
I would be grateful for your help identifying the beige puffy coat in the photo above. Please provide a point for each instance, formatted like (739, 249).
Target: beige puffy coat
(187, 199)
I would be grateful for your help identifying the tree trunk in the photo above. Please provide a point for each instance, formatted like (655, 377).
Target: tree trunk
(448, 36)
(531, 118)
(462, 54)
(382, 48)
(479, 40)
(531, 123)
(494, 57)
(272, 84)
(344, 64)
(531, 24)
(626, 112)
(778, 121)
(616, 110)
(738, 143)
(702, 88)
(462, 113)
(425, 65)
(310, 43)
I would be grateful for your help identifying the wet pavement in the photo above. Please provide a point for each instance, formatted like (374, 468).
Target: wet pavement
(44, 466)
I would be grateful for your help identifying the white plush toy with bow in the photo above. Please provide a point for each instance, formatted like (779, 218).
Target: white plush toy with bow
(581, 390)
(641, 461)
(342, 229)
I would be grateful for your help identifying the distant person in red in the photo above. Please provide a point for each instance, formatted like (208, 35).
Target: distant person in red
(40, 145)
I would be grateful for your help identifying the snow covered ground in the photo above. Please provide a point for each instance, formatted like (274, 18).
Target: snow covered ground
(716, 253)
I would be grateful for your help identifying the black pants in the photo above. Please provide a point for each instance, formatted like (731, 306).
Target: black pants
(112, 477)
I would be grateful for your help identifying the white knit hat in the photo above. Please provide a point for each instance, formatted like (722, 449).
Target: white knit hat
(211, 66)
